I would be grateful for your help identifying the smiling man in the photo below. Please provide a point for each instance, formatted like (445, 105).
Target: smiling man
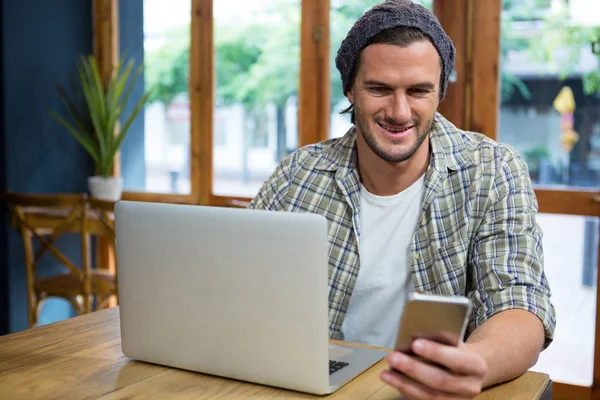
(414, 203)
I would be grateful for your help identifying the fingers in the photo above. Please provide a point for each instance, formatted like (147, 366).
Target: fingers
(430, 380)
(460, 359)
(414, 390)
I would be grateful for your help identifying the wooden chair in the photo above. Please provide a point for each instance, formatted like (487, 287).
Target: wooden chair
(44, 218)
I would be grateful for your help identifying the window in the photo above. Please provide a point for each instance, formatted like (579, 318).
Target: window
(570, 265)
(549, 84)
(257, 59)
(532, 71)
(550, 113)
(157, 159)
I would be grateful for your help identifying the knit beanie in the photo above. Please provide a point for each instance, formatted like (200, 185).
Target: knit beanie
(387, 15)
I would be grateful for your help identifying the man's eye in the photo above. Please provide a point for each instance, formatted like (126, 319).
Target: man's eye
(378, 89)
(420, 92)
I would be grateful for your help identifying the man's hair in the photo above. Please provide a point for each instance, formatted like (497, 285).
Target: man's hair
(401, 36)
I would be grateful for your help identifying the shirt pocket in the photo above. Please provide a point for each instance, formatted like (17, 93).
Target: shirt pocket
(449, 270)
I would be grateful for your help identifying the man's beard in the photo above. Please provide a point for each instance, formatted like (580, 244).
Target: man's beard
(371, 140)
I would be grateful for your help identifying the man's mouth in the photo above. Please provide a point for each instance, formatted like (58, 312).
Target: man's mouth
(396, 129)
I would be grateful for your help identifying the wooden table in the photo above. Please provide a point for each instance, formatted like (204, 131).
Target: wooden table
(81, 358)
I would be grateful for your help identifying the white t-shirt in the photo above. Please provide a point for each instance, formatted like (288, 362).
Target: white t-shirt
(387, 227)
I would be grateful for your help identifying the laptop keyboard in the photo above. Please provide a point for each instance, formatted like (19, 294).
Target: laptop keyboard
(335, 366)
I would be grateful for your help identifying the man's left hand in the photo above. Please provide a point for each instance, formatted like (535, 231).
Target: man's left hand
(463, 378)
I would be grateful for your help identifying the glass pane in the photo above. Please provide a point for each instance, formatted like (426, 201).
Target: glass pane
(257, 47)
(571, 261)
(343, 15)
(162, 153)
(550, 89)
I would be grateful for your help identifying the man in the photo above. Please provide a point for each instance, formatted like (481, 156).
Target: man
(411, 200)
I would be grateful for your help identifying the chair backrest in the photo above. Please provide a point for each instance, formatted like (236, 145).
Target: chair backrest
(45, 217)
(42, 200)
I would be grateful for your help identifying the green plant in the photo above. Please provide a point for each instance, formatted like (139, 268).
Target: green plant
(535, 155)
(96, 108)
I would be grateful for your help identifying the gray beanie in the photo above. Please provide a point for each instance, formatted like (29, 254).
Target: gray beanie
(387, 15)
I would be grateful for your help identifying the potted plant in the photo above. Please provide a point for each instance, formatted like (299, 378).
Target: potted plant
(98, 122)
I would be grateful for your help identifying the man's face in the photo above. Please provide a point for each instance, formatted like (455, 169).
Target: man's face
(395, 95)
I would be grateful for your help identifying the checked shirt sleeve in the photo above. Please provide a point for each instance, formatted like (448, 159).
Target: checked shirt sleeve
(507, 256)
(272, 194)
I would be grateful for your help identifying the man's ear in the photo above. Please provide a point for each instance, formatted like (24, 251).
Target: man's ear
(350, 96)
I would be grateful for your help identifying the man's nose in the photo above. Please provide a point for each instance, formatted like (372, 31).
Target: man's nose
(399, 110)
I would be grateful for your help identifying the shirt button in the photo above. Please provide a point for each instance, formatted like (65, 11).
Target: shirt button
(417, 257)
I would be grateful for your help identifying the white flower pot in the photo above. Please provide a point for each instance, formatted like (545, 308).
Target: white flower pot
(109, 188)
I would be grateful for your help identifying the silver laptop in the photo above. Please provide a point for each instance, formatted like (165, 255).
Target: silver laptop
(237, 293)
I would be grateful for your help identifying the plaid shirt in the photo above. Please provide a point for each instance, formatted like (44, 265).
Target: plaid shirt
(477, 234)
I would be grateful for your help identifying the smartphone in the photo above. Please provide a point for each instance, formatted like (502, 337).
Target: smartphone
(443, 319)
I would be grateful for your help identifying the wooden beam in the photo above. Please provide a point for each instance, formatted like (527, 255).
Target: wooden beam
(106, 45)
(106, 50)
(314, 96)
(472, 102)
(202, 94)
(486, 67)
(564, 391)
(568, 202)
(453, 16)
(158, 197)
(230, 201)
(106, 34)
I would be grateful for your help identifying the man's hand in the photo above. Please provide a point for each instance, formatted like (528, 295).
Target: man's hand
(416, 379)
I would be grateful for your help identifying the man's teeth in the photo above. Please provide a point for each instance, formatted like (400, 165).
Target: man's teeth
(397, 130)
